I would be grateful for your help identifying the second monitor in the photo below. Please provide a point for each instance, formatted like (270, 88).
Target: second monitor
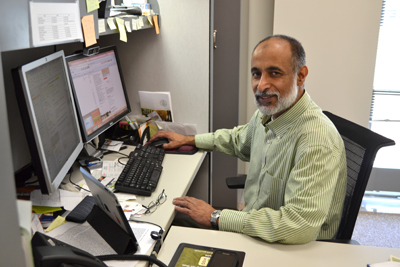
(99, 90)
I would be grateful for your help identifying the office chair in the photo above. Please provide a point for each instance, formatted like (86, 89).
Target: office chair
(361, 146)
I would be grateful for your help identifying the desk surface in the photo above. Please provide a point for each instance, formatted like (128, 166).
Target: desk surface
(260, 253)
(176, 178)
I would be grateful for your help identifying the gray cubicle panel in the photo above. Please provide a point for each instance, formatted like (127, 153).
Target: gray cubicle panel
(11, 253)
(176, 60)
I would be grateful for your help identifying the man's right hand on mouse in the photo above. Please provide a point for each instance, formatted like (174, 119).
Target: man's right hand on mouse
(175, 140)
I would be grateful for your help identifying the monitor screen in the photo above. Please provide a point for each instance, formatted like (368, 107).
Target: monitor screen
(99, 90)
(49, 116)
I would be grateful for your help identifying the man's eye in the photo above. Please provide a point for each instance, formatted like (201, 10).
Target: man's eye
(255, 74)
(274, 73)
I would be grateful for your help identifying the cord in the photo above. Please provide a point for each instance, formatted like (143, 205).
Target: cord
(133, 220)
(132, 257)
(122, 162)
(76, 185)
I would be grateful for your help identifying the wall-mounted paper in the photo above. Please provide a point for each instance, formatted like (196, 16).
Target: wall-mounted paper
(55, 23)
(156, 101)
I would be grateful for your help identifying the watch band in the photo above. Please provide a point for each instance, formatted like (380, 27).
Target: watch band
(214, 217)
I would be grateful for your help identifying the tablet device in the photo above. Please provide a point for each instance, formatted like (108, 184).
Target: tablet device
(108, 202)
(199, 256)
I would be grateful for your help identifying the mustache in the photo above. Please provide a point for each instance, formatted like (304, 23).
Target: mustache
(266, 93)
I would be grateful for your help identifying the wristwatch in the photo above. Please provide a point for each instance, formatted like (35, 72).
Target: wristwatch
(214, 217)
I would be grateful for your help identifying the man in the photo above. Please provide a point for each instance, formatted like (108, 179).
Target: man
(296, 181)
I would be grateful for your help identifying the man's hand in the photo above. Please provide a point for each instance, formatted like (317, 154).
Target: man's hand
(197, 209)
(175, 140)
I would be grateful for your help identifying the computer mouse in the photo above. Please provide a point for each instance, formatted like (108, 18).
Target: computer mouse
(159, 142)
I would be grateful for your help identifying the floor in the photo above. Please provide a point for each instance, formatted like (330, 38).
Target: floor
(378, 223)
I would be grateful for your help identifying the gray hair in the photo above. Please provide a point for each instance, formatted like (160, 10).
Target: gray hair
(298, 53)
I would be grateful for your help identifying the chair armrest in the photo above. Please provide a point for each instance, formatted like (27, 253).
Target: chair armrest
(343, 241)
(236, 182)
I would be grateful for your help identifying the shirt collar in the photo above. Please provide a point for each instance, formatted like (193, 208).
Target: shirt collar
(281, 125)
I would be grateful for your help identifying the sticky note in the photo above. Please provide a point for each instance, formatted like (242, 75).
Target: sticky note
(102, 25)
(121, 28)
(88, 30)
(111, 24)
(92, 5)
(155, 19)
(128, 26)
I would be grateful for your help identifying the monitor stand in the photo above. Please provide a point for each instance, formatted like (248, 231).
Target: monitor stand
(89, 152)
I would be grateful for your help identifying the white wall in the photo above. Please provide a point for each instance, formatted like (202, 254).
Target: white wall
(257, 18)
(340, 38)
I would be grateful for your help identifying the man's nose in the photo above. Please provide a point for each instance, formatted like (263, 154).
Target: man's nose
(263, 83)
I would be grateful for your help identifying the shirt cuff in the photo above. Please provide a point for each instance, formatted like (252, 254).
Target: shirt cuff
(232, 221)
(204, 141)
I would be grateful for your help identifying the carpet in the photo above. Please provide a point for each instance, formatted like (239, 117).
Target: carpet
(377, 229)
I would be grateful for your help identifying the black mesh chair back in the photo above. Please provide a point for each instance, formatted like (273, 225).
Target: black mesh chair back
(361, 146)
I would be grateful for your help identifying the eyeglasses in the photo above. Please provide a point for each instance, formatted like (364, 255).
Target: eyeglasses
(154, 204)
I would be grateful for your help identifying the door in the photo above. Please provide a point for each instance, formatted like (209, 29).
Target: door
(224, 94)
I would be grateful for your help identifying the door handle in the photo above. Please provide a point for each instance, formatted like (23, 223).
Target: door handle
(215, 39)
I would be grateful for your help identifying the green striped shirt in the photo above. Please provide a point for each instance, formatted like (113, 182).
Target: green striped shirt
(296, 181)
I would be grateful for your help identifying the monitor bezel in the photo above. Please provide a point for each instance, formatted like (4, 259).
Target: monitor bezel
(87, 138)
(28, 115)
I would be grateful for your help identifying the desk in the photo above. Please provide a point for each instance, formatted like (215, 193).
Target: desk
(260, 253)
(178, 174)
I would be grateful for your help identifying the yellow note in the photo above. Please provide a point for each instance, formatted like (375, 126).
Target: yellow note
(88, 30)
(150, 20)
(102, 25)
(44, 210)
(92, 5)
(128, 26)
(57, 222)
(155, 18)
(121, 28)
(111, 24)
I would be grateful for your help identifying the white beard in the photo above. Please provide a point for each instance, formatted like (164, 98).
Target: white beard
(282, 103)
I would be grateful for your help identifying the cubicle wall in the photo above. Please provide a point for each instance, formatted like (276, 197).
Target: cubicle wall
(177, 60)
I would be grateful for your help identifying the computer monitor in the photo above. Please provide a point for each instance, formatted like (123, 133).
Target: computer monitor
(49, 117)
(99, 91)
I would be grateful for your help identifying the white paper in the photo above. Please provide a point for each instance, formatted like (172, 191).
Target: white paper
(53, 23)
(111, 169)
(158, 101)
(82, 236)
(112, 145)
(60, 198)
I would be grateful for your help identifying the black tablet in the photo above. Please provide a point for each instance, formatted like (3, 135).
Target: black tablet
(199, 256)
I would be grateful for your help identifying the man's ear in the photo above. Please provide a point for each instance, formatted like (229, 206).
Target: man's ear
(301, 75)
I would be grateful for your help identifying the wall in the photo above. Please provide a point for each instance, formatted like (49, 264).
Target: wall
(340, 38)
(11, 253)
(257, 17)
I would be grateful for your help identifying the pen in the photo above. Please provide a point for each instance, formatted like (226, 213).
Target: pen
(155, 251)
(130, 123)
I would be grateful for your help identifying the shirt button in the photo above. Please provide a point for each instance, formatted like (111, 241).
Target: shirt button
(279, 137)
(258, 190)
(263, 166)
(268, 141)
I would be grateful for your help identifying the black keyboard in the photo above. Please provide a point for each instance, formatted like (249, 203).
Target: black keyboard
(142, 171)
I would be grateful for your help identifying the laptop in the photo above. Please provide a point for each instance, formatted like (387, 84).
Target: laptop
(108, 202)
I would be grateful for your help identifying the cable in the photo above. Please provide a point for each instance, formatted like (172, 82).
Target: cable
(133, 220)
(77, 186)
(132, 257)
(122, 162)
